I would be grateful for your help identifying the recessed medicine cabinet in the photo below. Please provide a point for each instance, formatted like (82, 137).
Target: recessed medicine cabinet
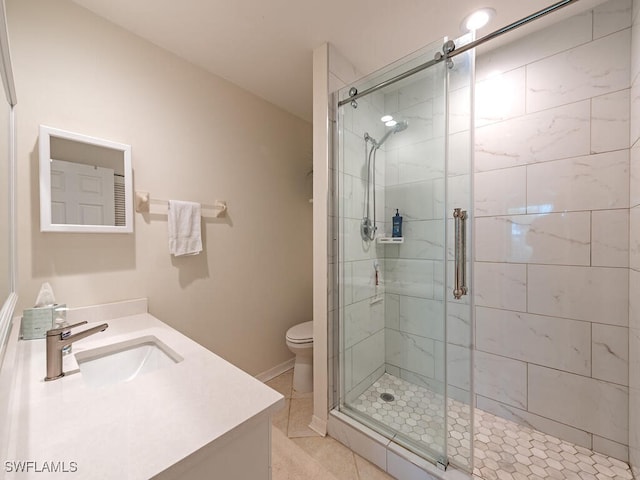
(85, 183)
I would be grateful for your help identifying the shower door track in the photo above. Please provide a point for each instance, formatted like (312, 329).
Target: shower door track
(452, 53)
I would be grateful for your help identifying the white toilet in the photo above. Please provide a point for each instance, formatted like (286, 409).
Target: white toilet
(300, 342)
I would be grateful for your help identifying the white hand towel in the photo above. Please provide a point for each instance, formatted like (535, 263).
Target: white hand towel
(184, 228)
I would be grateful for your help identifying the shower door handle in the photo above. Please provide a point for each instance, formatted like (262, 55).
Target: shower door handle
(460, 218)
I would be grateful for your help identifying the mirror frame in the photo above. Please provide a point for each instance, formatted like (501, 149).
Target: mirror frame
(45, 182)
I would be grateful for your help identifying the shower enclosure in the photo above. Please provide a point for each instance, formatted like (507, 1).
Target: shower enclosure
(404, 313)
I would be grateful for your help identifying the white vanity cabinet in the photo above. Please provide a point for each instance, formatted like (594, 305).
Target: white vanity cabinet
(198, 418)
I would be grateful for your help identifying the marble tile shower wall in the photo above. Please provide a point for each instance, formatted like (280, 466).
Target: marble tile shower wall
(415, 184)
(634, 249)
(552, 229)
(362, 298)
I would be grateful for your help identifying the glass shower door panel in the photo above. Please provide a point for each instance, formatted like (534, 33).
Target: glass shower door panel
(392, 289)
(459, 311)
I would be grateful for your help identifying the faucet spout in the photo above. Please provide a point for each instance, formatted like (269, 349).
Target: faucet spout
(55, 344)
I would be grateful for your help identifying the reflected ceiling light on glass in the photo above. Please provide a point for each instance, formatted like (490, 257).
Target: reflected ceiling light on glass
(477, 19)
(386, 118)
(391, 123)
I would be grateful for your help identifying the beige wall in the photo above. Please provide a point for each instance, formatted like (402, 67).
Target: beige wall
(194, 136)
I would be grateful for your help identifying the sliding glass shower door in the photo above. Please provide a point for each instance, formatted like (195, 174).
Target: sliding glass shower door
(404, 166)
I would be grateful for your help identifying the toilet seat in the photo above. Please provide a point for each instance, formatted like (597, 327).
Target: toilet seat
(301, 333)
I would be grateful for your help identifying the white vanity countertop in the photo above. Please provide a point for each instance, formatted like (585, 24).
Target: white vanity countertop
(130, 430)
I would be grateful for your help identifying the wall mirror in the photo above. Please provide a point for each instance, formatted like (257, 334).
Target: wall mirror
(85, 183)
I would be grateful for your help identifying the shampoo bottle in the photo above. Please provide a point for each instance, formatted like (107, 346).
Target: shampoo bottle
(397, 225)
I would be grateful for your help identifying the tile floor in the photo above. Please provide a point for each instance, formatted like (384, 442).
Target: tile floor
(417, 414)
(504, 450)
(298, 453)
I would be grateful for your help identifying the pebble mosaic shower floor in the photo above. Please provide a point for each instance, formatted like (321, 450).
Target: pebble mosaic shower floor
(504, 450)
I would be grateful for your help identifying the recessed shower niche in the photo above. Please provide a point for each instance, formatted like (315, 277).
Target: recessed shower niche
(85, 183)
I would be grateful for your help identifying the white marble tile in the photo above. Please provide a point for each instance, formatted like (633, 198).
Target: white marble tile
(352, 196)
(391, 171)
(423, 239)
(572, 399)
(421, 161)
(586, 71)
(500, 97)
(550, 341)
(345, 283)
(611, 448)
(361, 320)
(546, 238)
(460, 153)
(556, 38)
(634, 175)
(501, 379)
(367, 356)
(634, 110)
(459, 330)
(426, 382)
(610, 353)
(552, 134)
(341, 67)
(414, 200)
(409, 277)
(635, 48)
(366, 119)
(359, 439)
(353, 246)
(459, 110)
(501, 192)
(611, 17)
(610, 238)
(458, 367)
(392, 311)
(410, 352)
(522, 417)
(594, 294)
(592, 182)
(424, 88)
(610, 121)
(421, 125)
(459, 194)
(501, 285)
(634, 369)
(362, 280)
(634, 238)
(346, 361)
(421, 316)
(335, 84)
(399, 467)
(353, 155)
(634, 311)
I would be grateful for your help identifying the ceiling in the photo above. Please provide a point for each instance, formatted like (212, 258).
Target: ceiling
(265, 46)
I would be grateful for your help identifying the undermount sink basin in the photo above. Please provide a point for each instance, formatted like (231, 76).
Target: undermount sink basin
(124, 361)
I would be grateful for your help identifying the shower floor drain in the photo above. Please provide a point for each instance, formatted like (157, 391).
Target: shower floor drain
(387, 397)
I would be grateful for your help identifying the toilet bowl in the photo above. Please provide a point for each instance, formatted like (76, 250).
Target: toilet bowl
(300, 341)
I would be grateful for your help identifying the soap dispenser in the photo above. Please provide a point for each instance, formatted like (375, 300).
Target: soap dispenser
(397, 225)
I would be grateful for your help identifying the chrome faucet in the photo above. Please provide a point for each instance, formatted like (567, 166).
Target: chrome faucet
(55, 344)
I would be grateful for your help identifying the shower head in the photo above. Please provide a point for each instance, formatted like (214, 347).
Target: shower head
(398, 127)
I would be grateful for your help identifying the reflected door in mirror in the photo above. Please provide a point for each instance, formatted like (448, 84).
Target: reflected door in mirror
(82, 194)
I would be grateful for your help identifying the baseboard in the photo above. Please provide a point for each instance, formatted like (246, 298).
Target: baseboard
(277, 370)
(318, 425)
